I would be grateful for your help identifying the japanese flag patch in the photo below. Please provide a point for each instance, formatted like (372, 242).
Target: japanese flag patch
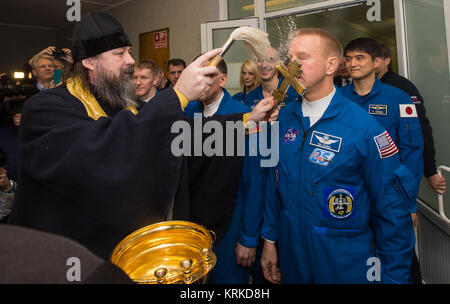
(385, 145)
(408, 110)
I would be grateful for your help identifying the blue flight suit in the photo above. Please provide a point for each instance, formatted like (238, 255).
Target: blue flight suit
(245, 226)
(332, 180)
(383, 103)
(240, 96)
(228, 105)
(253, 97)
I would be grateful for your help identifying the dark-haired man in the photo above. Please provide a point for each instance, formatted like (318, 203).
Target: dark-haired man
(175, 67)
(392, 108)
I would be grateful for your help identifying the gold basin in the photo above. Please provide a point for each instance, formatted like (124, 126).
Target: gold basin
(172, 252)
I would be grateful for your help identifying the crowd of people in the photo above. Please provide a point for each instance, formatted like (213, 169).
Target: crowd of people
(93, 160)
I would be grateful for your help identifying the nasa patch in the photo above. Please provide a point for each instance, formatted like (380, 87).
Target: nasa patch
(321, 157)
(339, 203)
(290, 136)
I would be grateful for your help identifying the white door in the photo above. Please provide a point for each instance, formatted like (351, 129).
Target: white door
(215, 34)
(428, 44)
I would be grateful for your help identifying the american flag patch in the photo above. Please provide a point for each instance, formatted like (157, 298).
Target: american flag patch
(385, 145)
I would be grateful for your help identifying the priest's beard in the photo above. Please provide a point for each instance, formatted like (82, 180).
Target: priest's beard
(117, 91)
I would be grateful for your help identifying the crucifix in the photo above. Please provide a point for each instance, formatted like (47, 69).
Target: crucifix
(290, 74)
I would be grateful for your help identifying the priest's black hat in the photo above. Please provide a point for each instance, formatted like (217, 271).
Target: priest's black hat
(97, 33)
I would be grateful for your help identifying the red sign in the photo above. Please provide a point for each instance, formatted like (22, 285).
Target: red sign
(160, 40)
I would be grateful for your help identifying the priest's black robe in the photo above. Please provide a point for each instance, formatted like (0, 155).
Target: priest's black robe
(96, 181)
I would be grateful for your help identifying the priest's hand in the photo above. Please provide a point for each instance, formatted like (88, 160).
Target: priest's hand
(196, 79)
(245, 256)
(269, 261)
(260, 111)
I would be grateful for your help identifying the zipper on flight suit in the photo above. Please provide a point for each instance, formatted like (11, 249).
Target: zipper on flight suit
(305, 135)
(395, 185)
(409, 133)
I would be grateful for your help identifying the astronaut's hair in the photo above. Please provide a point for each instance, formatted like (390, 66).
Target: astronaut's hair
(364, 44)
(333, 46)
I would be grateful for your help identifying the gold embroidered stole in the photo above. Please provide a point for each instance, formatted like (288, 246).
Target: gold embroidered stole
(92, 106)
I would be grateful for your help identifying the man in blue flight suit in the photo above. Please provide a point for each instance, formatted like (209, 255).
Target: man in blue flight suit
(390, 106)
(334, 205)
(236, 252)
(270, 80)
(393, 109)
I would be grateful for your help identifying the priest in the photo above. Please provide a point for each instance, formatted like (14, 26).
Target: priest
(93, 168)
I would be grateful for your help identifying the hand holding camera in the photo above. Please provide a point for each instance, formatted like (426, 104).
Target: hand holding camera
(63, 53)
(54, 52)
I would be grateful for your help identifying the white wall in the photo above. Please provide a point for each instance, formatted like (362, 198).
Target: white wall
(182, 17)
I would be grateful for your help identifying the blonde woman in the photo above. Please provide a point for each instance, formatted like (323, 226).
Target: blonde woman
(249, 79)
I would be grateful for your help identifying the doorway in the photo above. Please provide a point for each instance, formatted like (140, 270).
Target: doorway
(215, 34)
(155, 45)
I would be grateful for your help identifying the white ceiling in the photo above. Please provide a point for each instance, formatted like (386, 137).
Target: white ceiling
(49, 14)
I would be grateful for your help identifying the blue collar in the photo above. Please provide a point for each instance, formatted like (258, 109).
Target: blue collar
(376, 89)
(259, 89)
(223, 107)
(224, 103)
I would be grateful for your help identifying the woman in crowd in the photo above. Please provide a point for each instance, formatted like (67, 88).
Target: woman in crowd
(249, 79)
